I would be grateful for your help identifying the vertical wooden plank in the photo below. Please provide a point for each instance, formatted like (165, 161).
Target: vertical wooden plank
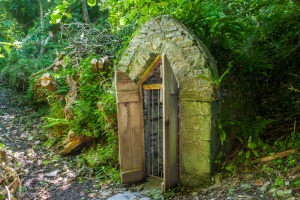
(124, 141)
(130, 129)
(170, 122)
(137, 135)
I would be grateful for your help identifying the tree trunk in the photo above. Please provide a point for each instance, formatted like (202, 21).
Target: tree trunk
(86, 16)
(41, 14)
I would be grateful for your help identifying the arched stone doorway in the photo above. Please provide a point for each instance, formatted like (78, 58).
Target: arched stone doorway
(164, 59)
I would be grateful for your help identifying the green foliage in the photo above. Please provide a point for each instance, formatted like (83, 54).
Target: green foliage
(102, 155)
(91, 2)
(87, 119)
(253, 128)
(20, 13)
(59, 12)
(296, 183)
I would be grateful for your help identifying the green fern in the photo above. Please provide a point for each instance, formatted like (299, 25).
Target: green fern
(51, 122)
(254, 128)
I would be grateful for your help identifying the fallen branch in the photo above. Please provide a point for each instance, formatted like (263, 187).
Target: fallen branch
(55, 63)
(8, 192)
(275, 156)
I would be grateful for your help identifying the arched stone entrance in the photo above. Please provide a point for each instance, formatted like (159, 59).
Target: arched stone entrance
(163, 46)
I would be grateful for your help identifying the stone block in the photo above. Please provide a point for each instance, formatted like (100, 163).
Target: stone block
(190, 108)
(190, 95)
(182, 41)
(196, 88)
(195, 157)
(196, 128)
(168, 27)
(191, 50)
(172, 34)
(156, 41)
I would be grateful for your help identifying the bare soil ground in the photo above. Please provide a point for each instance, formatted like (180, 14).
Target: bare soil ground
(46, 175)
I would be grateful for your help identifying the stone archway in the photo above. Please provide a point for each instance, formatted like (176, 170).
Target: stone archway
(195, 71)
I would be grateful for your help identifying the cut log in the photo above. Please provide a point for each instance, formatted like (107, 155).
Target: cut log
(49, 83)
(106, 62)
(100, 65)
(94, 62)
(73, 142)
(97, 65)
(275, 156)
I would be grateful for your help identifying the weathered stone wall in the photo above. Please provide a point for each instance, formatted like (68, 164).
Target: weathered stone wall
(195, 71)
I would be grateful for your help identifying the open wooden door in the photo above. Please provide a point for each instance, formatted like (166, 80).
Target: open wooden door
(130, 129)
(170, 126)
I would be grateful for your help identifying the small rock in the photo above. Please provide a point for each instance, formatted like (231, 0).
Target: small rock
(246, 186)
(194, 194)
(92, 195)
(263, 189)
(272, 190)
(37, 142)
(285, 193)
(52, 174)
(105, 193)
(137, 188)
(267, 183)
(204, 191)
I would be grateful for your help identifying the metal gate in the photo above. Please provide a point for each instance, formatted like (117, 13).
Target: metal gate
(153, 123)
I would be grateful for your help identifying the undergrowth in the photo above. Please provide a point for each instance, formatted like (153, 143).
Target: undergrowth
(87, 119)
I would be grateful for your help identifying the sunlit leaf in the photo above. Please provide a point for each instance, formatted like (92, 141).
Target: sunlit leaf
(248, 154)
(126, 4)
(140, 3)
(132, 14)
(144, 10)
(61, 8)
(7, 48)
(222, 137)
(252, 145)
(162, 4)
(68, 15)
(123, 21)
(1, 56)
(91, 2)
(2, 145)
(255, 153)
(153, 8)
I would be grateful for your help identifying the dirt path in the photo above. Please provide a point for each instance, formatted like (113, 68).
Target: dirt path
(46, 174)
